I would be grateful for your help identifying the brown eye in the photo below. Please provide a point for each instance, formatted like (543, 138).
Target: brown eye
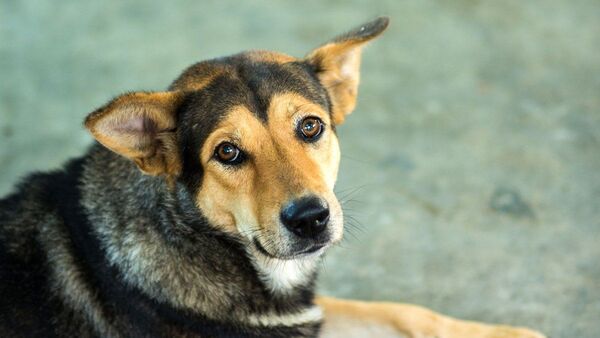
(310, 128)
(228, 153)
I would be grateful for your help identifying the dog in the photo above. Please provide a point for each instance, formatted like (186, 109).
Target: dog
(202, 211)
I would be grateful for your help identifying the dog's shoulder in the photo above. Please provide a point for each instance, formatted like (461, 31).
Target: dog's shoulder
(38, 196)
(30, 204)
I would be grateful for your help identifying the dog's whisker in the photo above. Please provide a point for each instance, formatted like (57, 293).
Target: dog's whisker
(351, 191)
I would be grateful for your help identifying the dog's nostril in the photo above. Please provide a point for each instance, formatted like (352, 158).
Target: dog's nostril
(306, 217)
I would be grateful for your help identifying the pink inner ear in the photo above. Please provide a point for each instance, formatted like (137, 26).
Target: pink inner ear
(135, 124)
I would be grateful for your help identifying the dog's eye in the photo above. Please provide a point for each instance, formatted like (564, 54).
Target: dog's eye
(311, 128)
(228, 153)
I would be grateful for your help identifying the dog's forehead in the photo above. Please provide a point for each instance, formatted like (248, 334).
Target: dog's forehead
(250, 79)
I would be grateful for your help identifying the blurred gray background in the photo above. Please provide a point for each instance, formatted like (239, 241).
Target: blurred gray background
(471, 167)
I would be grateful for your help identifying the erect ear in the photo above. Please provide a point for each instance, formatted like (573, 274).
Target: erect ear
(140, 126)
(338, 65)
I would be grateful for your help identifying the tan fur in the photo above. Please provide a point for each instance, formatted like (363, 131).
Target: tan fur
(281, 167)
(340, 75)
(154, 153)
(198, 76)
(339, 64)
(403, 320)
(269, 56)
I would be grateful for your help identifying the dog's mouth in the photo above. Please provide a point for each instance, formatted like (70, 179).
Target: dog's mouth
(312, 249)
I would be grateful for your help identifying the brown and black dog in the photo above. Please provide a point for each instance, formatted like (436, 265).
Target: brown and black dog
(204, 211)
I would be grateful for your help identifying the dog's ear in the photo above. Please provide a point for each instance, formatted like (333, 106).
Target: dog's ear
(141, 126)
(338, 65)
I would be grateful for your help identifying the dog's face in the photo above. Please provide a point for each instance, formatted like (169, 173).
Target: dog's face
(270, 176)
(253, 138)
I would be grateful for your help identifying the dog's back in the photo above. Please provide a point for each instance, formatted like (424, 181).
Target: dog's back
(30, 218)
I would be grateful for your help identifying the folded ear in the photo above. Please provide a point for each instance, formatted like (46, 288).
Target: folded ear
(140, 126)
(338, 65)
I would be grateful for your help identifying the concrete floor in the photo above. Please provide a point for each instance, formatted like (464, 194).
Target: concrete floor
(472, 163)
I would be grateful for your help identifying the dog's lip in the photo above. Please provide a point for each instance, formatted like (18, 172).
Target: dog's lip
(311, 250)
(261, 249)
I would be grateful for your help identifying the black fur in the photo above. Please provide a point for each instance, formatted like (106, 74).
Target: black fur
(30, 308)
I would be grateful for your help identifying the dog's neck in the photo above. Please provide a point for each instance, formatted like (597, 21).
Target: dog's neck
(162, 245)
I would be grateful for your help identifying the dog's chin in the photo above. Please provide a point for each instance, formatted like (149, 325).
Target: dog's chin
(313, 250)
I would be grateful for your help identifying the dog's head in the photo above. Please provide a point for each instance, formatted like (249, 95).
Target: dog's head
(253, 138)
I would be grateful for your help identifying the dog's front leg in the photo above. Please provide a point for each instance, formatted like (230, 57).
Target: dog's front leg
(345, 318)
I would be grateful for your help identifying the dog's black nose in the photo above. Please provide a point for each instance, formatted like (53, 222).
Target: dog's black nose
(306, 217)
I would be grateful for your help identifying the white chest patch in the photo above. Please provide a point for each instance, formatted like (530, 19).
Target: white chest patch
(283, 275)
(309, 315)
